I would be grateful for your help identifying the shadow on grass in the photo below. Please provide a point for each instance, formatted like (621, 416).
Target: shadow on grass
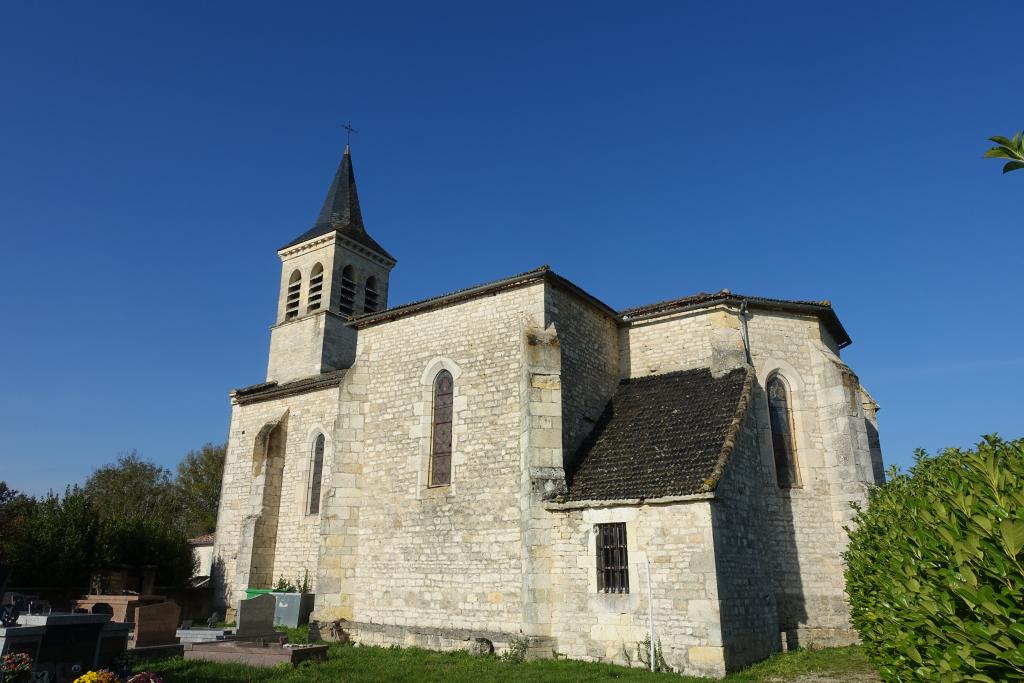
(365, 664)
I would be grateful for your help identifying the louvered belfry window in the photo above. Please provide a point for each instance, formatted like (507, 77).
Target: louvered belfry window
(441, 434)
(317, 476)
(291, 306)
(781, 418)
(347, 302)
(316, 288)
(370, 297)
(612, 560)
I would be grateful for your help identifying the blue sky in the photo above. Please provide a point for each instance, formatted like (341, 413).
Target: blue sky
(154, 157)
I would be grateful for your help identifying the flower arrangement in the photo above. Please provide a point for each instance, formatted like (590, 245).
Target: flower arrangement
(100, 676)
(15, 666)
(145, 677)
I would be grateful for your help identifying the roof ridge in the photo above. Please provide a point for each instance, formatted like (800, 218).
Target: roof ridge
(711, 483)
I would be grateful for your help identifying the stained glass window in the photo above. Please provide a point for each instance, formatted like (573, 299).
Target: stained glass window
(441, 442)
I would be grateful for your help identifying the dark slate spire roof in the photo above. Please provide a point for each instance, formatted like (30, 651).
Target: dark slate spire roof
(341, 211)
(662, 435)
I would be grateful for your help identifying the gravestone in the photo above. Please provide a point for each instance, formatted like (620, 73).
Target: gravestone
(156, 624)
(256, 616)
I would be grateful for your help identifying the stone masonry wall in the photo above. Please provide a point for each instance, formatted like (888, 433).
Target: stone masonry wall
(296, 533)
(420, 557)
(679, 341)
(589, 340)
(807, 520)
(746, 586)
(596, 626)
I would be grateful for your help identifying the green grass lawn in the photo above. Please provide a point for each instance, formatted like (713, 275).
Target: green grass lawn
(347, 663)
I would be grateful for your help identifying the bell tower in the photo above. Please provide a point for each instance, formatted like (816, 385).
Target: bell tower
(329, 274)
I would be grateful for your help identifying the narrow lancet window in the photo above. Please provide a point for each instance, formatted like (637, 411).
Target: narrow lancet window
(347, 302)
(370, 297)
(316, 288)
(291, 306)
(781, 417)
(316, 479)
(441, 442)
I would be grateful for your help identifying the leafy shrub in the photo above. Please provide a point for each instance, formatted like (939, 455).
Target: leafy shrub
(935, 573)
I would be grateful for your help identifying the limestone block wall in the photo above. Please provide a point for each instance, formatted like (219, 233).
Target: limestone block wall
(244, 525)
(589, 341)
(678, 341)
(308, 346)
(807, 535)
(743, 566)
(433, 558)
(595, 626)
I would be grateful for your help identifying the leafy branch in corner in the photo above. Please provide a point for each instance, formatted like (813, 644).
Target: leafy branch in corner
(1008, 149)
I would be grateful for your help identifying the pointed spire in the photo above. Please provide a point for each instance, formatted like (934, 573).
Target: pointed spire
(341, 211)
(341, 206)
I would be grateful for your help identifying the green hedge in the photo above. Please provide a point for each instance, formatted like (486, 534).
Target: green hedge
(935, 573)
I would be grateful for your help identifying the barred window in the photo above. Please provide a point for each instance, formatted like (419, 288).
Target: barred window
(370, 296)
(612, 560)
(441, 441)
(781, 418)
(316, 288)
(347, 303)
(317, 476)
(291, 306)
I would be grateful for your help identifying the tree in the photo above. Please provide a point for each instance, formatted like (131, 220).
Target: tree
(935, 568)
(1008, 149)
(54, 545)
(199, 479)
(14, 507)
(133, 486)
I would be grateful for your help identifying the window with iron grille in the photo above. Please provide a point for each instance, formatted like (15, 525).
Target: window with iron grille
(441, 441)
(612, 561)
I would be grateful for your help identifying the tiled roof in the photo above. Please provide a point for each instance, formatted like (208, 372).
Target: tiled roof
(205, 539)
(663, 435)
(269, 390)
(341, 211)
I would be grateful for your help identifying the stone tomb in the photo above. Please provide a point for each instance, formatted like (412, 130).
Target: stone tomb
(256, 617)
(156, 624)
(120, 607)
(255, 653)
(74, 643)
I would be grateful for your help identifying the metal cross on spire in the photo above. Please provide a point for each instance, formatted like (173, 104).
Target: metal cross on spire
(349, 129)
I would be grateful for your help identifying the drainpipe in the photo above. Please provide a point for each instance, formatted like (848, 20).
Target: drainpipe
(746, 331)
(650, 611)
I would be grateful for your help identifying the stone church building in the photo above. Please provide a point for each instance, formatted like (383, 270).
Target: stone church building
(519, 461)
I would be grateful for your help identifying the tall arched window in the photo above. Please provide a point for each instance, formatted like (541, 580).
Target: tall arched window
(316, 288)
(441, 442)
(370, 296)
(347, 302)
(783, 443)
(291, 305)
(316, 480)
